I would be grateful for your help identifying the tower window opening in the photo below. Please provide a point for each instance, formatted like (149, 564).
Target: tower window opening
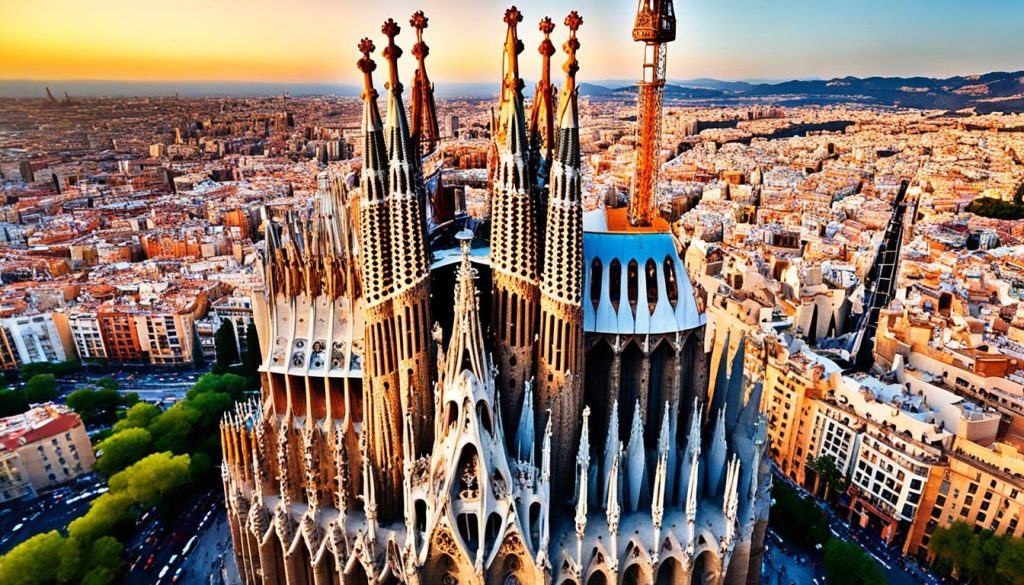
(615, 283)
(651, 280)
(671, 285)
(632, 284)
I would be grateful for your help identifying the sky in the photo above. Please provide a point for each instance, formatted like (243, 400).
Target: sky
(315, 40)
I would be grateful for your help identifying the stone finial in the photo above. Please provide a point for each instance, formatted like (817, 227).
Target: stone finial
(367, 66)
(392, 52)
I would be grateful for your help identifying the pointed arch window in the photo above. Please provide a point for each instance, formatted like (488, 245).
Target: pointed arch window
(632, 284)
(651, 282)
(615, 283)
(595, 282)
(671, 284)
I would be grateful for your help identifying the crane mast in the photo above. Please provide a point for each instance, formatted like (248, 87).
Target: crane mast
(655, 26)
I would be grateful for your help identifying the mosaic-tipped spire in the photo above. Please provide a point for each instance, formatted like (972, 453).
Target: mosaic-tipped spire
(542, 114)
(373, 179)
(466, 348)
(425, 132)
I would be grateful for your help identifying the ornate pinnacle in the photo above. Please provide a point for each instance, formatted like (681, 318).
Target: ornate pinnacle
(513, 16)
(513, 47)
(573, 21)
(419, 22)
(392, 52)
(547, 48)
(366, 65)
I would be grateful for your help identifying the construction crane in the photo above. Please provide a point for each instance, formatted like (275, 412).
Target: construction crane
(655, 26)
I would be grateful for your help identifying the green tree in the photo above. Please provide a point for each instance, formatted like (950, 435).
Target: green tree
(41, 388)
(141, 415)
(797, 519)
(122, 449)
(106, 382)
(226, 344)
(252, 357)
(983, 557)
(95, 406)
(827, 475)
(173, 429)
(36, 561)
(231, 384)
(105, 556)
(106, 514)
(151, 479)
(846, 564)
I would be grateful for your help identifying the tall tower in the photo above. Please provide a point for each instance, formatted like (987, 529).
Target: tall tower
(655, 26)
(542, 130)
(409, 259)
(560, 349)
(382, 426)
(425, 133)
(513, 237)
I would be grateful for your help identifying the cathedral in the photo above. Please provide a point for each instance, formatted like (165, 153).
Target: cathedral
(529, 404)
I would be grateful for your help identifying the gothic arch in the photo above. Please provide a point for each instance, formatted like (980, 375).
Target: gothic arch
(670, 572)
(636, 564)
(707, 569)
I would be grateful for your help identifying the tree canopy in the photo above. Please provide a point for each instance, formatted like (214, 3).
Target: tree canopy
(983, 557)
(797, 519)
(121, 449)
(99, 405)
(847, 564)
(41, 388)
(226, 344)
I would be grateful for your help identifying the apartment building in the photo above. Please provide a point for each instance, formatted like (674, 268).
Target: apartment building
(41, 448)
(982, 486)
(42, 337)
(87, 334)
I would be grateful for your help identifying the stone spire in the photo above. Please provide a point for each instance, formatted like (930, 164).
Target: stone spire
(560, 349)
(612, 447)
(525, 433)
(425, 133)
(660, 473)
(409, 257)
(466, 349)
(636, 460)
(613, 509)
(545, 479)
(382, 400)
(689, 468)
(542, 123)
(376, 239)
(716, 455)
(514, 238)
(582, 483)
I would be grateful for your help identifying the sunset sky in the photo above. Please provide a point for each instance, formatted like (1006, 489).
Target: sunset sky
(315, 40)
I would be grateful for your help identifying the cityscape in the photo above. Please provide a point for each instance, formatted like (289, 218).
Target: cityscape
(545, 326)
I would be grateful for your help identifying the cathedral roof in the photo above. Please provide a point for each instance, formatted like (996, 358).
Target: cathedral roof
(666, 306)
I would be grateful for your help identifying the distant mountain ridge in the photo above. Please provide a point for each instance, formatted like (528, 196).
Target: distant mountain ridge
(996, 91)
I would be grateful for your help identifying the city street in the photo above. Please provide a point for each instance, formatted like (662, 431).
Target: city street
(159, 552)
(783, 556)
(156, 386)
(51, 510)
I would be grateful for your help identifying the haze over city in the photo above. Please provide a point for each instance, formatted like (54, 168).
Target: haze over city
(311, 40)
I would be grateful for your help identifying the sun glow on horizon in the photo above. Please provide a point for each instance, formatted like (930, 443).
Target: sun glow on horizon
(314, 40)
